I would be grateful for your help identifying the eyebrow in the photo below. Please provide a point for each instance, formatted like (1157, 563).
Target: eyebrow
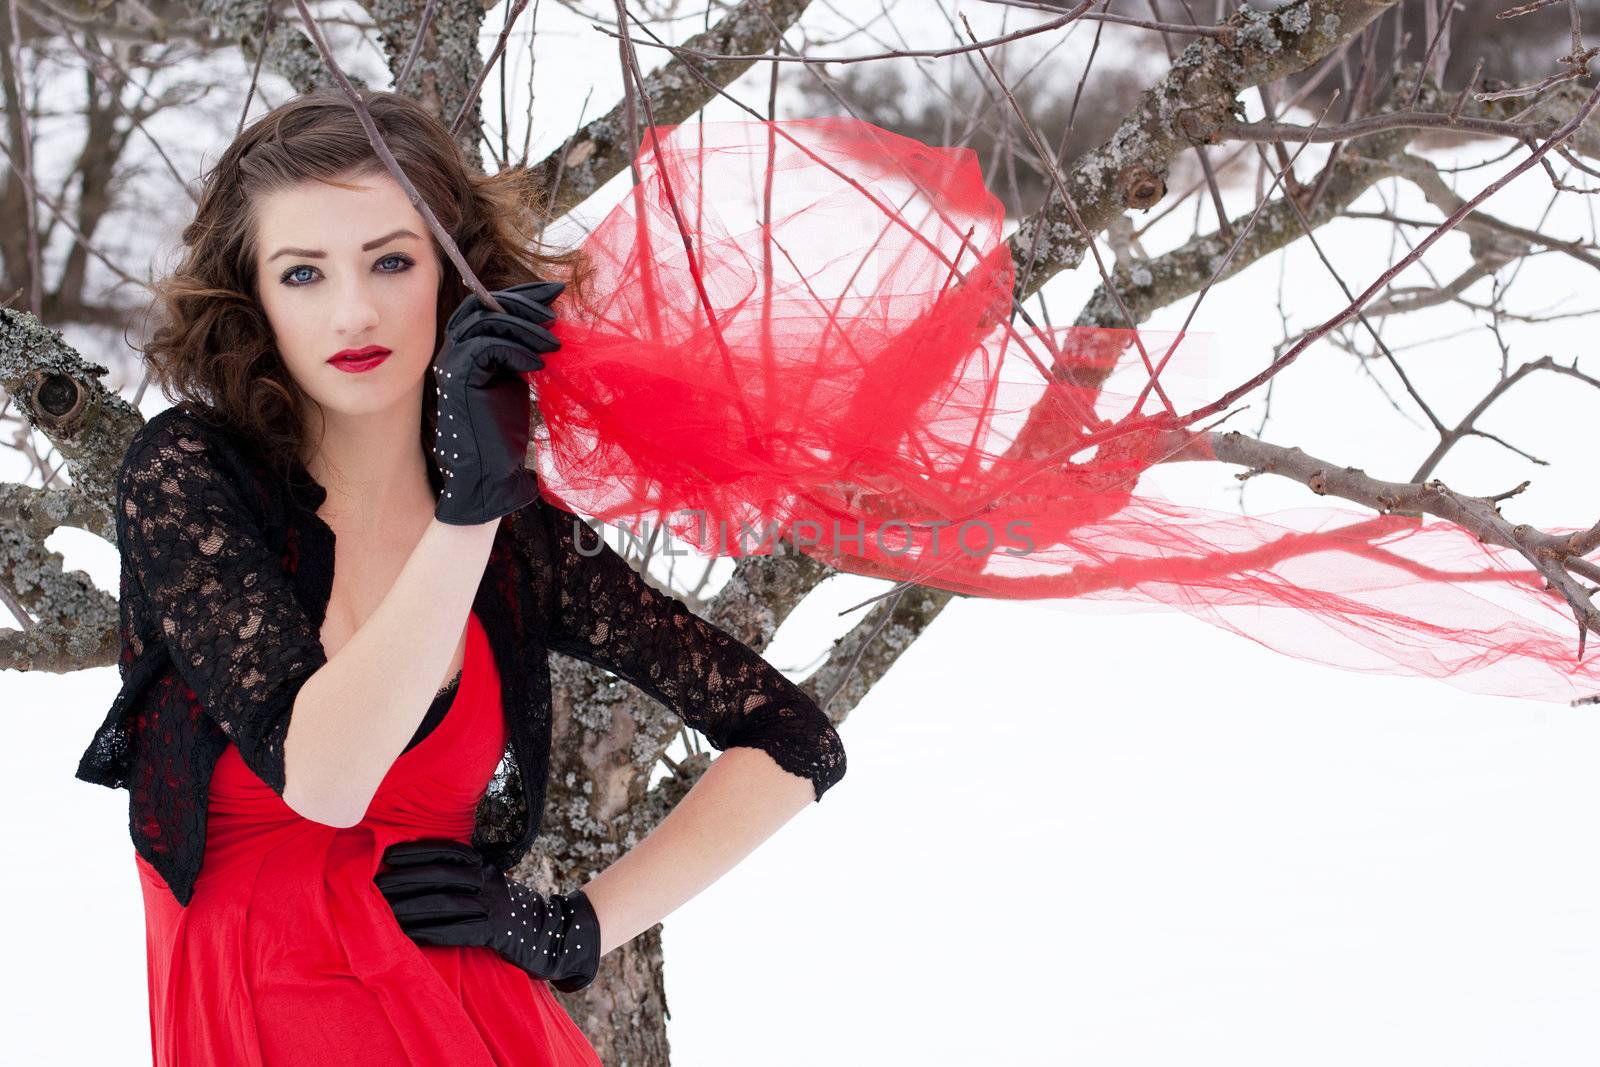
(317, 253)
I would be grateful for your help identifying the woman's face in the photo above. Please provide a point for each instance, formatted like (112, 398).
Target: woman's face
(340, 269)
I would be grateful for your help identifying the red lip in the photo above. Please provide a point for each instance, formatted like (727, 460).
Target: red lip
(359, 353)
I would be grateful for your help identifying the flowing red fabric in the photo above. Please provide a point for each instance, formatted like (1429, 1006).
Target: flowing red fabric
(801, 336)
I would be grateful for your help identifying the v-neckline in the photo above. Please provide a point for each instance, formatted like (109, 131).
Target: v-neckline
(311, 494)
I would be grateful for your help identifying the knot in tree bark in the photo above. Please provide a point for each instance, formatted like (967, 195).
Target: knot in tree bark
(1140, 187)
(57, 400)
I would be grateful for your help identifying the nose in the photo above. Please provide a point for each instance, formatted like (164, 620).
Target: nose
(355, 312)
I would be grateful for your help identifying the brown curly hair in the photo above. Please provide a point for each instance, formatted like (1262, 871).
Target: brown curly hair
(213, 351)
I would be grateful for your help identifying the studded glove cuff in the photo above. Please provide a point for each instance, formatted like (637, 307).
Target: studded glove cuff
(484, 403)
(443, 892)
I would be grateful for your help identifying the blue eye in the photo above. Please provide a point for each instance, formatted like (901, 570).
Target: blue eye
(405, 263)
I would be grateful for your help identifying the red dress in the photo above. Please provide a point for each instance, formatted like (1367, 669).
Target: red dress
(289, 954)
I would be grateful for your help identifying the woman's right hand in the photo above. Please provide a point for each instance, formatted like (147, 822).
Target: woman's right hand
(485, 405)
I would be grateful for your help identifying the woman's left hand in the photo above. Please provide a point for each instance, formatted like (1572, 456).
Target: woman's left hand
(444, 892)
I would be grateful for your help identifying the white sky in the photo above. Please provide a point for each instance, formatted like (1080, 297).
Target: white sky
(1064, 837)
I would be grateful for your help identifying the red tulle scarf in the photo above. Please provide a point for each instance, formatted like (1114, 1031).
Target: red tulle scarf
(829, 361)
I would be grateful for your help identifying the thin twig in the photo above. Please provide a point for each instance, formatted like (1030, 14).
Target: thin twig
(1058, 184)
(382, 149)
(416, 43)
(1276, 132)
(483, 74)
(1557, 138)
(25, 170)
(913, 53)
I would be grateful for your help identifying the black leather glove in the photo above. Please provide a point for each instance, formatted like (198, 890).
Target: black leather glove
(444, 892)
(485, 406)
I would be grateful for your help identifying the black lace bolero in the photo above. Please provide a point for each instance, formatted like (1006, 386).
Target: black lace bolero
(226, 573)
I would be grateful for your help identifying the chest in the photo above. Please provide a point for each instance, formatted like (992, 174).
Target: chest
(363, 574)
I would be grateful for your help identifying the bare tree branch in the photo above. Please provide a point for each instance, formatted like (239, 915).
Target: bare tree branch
(590, 157)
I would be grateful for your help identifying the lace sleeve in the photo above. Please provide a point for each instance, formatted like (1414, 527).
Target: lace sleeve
(215, 592)
(607, 614)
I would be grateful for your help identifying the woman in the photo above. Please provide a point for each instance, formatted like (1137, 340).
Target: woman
(339, 588)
